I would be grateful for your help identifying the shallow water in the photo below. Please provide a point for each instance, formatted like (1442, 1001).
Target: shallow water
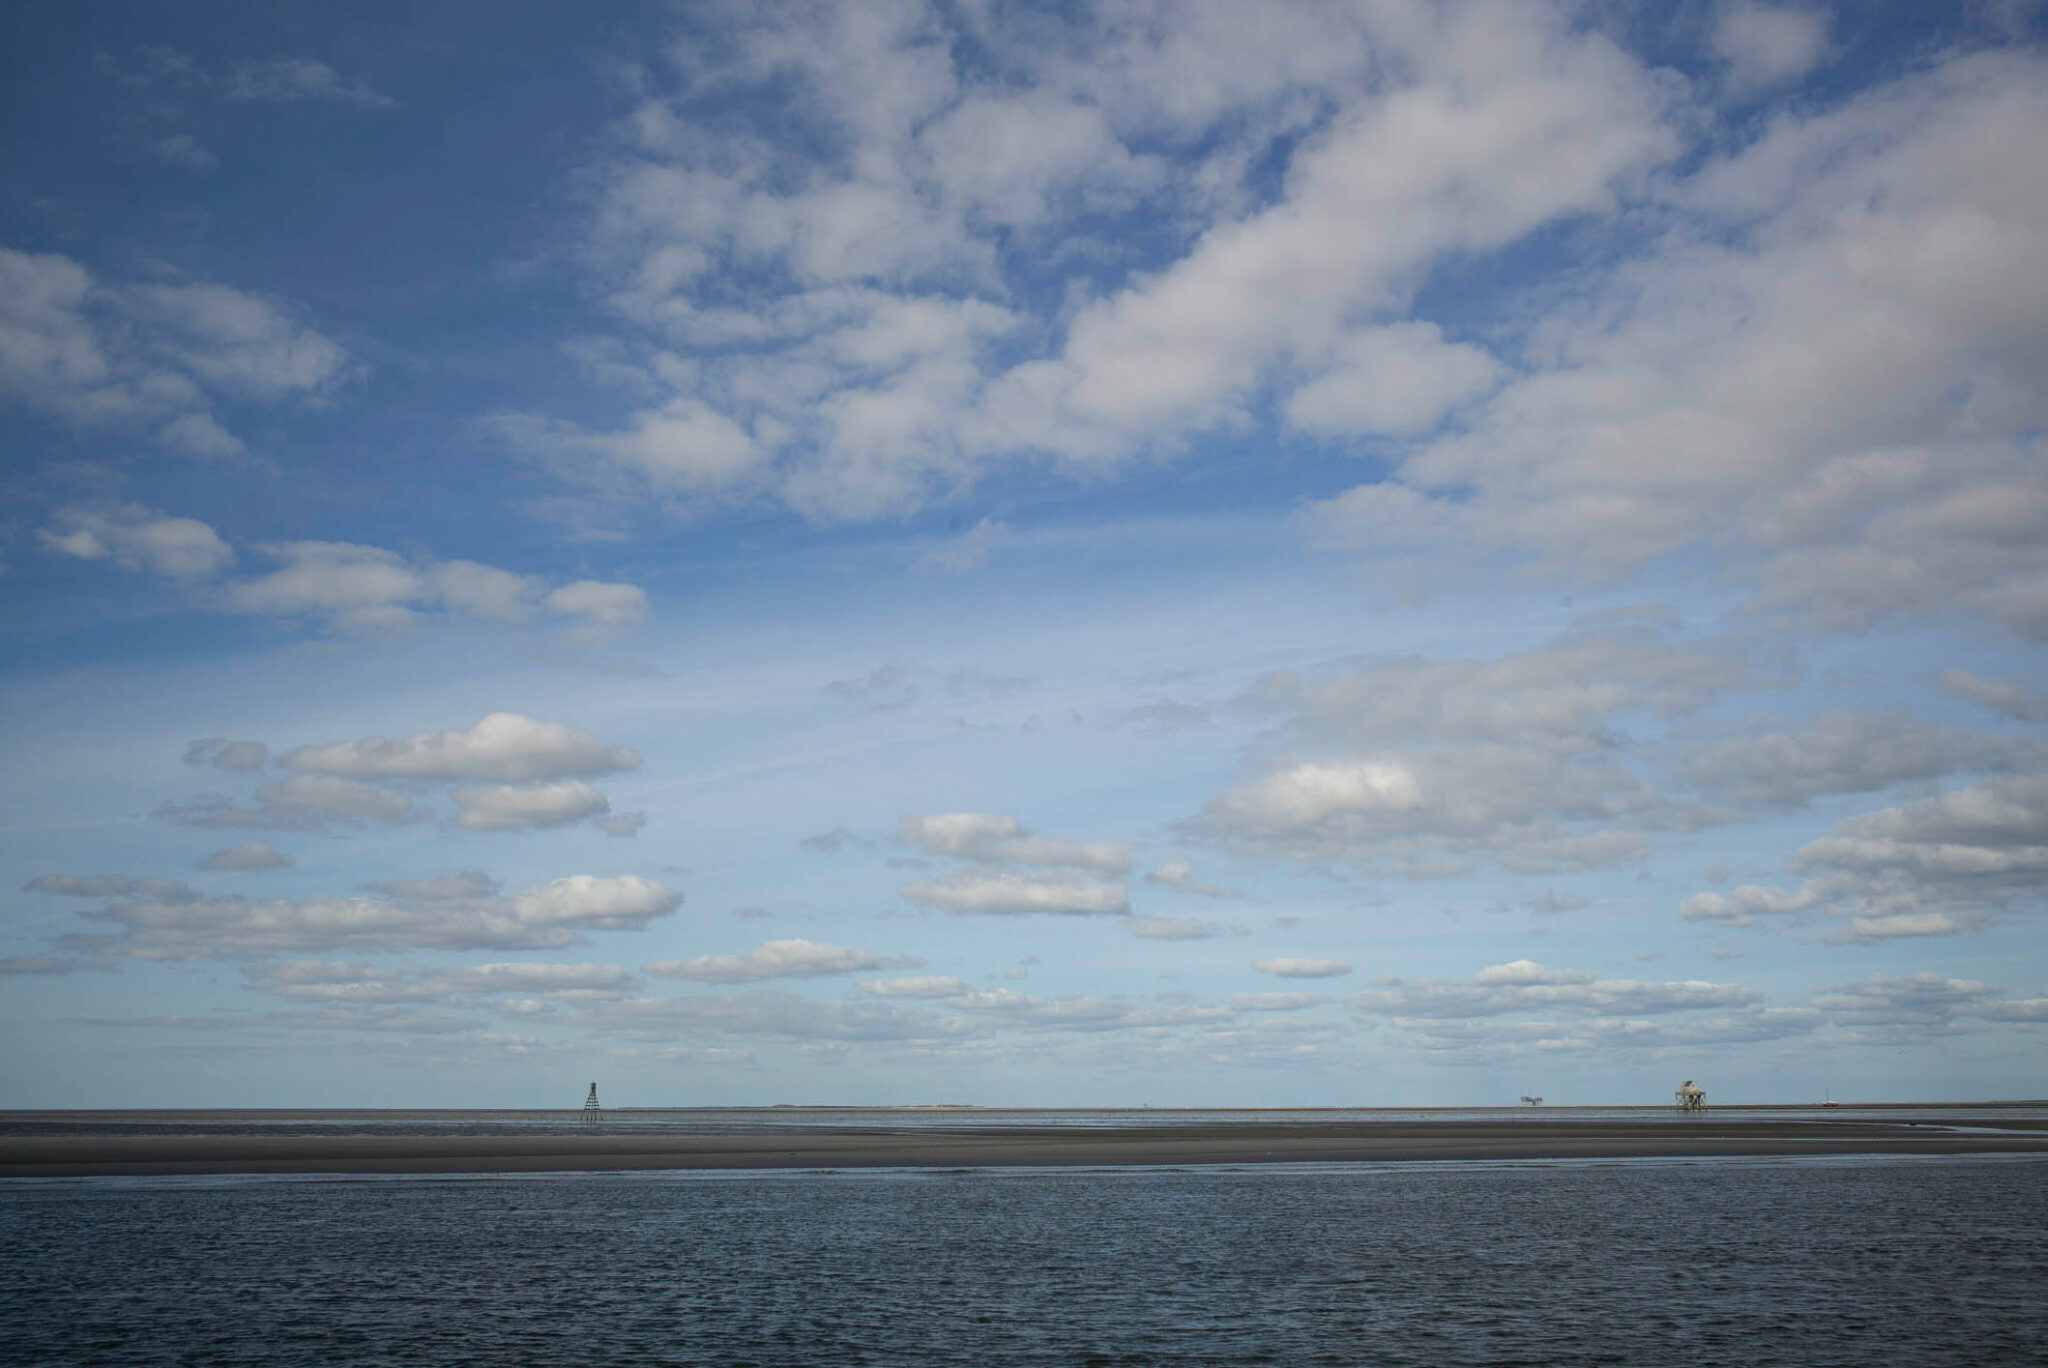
(757, 1120)
(1805, 1261)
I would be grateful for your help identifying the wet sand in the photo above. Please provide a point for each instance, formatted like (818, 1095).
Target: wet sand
(1250, 1142)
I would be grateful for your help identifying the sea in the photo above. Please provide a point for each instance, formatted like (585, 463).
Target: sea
(1810, 1260)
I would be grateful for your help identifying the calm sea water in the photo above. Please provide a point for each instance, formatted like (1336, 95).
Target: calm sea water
(1806, 1261)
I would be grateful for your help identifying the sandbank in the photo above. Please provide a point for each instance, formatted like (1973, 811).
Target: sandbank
(1236, 1143)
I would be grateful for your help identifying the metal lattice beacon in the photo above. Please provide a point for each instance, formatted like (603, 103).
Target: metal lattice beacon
(592, 1108)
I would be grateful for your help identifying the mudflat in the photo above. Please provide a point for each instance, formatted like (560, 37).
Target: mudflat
(1248, 1142)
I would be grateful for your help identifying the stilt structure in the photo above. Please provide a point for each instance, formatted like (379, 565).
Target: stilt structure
(1529, 1101)
(1691, 1097)
(593, 1110)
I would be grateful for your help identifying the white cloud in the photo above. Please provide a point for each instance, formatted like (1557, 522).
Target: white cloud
(139, 538)
(507, 747)
(1294, 967)
(1019, 894)
(247, 857)
(113, 886)
(1767, 45)
(623, 825)
(326, 981)
(465, 884)
(1533, 760)
(1274, 1002)
(772, 1016)
(1176, 928)
(291, 80)
(1821, 376)
(304, 802)
(1747, 905)
(1523, 1006)
(526, 807)
(1933, 867)
(1400, 379)
(242, 757)
(1837, 752)
(367, 589)
(2015, 700)
(1179, 875)
(872, 360)
(779, 959)
(1917, 1006)
(550, 915)
(914, 987)
(989, 838)
(151, 357)
(605, 609)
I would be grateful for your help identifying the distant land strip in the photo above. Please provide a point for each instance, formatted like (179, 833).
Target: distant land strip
(1248, 1142)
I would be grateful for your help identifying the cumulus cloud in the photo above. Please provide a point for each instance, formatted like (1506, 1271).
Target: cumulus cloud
(622, 825)
(1424, 767)
(874, 363)
(780, 959)
(914, 987)
(526, 807)
(1916, 1006)
(138, 538)
(1179, 875)
(986, 838)
(1274, 1002)
(1294, 967)
(505, 747)
(151, 358)
(550, 915)
(366, 589)
(998, 895)
(1820, 377)
(248, 857)
(1837, 752)
(1767, 45)
(464, 884)
(605, 609)
(221, 753)
(768, 1015)
(304, 802)
(1176, 928)
(1937, 866)
(1526, 986)
(337, 982)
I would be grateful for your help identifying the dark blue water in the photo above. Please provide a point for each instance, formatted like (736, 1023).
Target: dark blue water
(1805, 1261)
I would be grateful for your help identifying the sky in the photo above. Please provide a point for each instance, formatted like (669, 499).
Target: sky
(1053, 554)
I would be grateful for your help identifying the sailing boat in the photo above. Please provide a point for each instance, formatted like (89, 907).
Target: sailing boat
(1828, 1098)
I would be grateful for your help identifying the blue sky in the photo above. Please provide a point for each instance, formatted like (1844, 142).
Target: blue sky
(1375, 553)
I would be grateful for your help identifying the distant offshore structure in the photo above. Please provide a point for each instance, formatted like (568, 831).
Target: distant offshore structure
(1691, 1097)
(593, 1110)
(1529, 1101)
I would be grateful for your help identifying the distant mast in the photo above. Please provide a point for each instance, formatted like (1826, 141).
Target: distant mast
(592, 1109)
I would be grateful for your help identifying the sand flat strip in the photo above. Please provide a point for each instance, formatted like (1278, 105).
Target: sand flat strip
(1249, 1143)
